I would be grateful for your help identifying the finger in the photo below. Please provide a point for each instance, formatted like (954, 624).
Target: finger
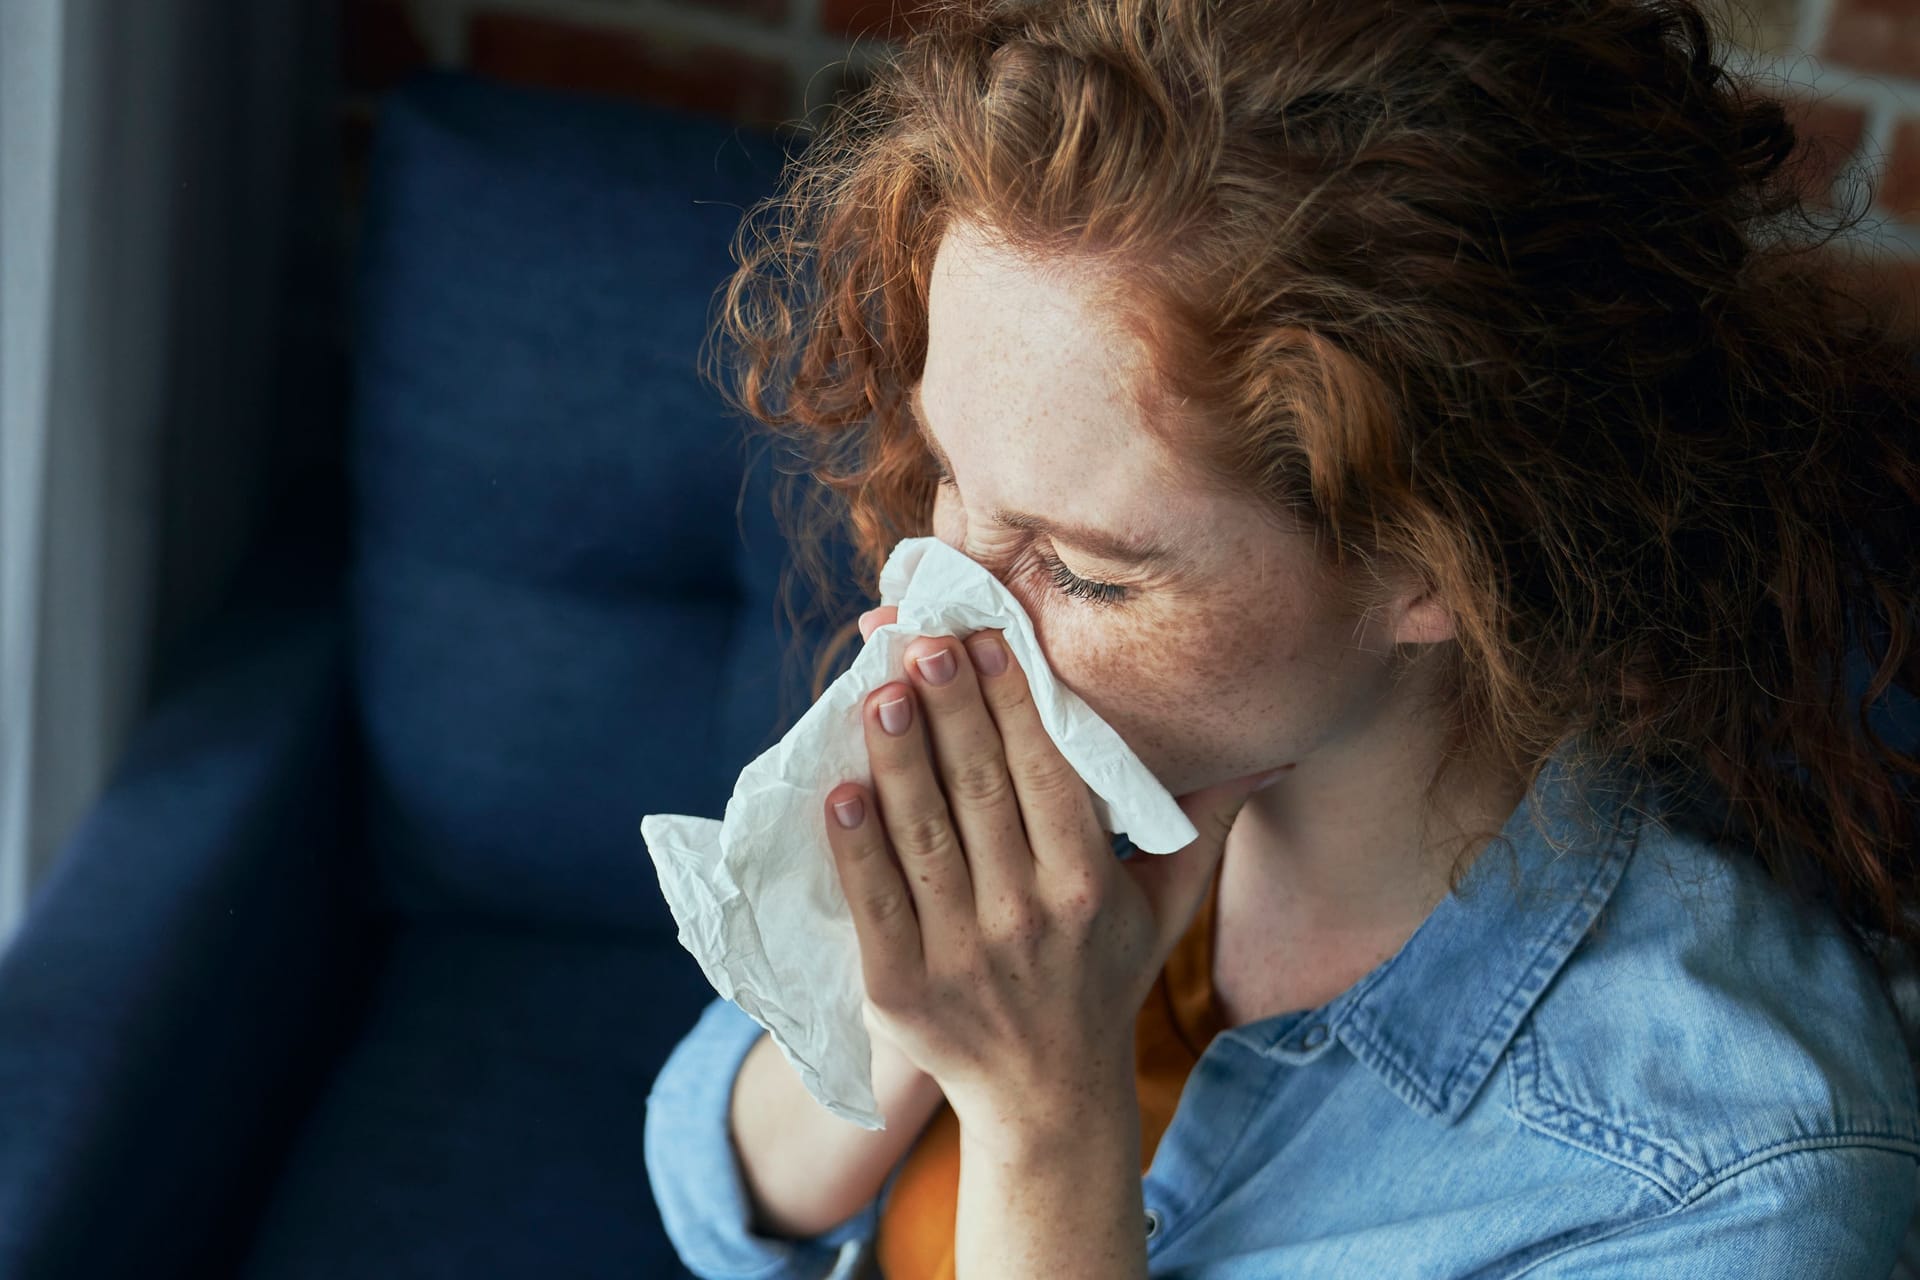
(913, 811)
(1054, 801)
(972, 767)
(877, 896)
(873, 619)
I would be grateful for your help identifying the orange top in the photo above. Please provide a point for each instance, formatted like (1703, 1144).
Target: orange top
(914, 1240)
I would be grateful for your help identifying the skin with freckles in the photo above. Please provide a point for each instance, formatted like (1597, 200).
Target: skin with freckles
(1237, 660)
(1005, 952)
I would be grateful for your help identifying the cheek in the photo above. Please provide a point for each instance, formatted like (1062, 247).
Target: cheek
(1131, 668)
(1176, 685)
(1150, 688)
(1131, 672)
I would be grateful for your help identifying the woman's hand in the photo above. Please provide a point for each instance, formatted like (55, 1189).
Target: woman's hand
(891, 1066)
(1005, 950)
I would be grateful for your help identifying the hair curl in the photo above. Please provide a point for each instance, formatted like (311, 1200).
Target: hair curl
(1519, 295)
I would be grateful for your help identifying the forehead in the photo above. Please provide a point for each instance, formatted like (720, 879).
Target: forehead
(1034, 328)
(1030, 390)
(1024, 354)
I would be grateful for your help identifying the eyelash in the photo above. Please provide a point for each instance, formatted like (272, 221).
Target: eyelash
(1070, 583)
(1064, 579)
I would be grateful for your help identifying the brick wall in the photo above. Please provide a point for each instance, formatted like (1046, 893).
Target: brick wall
(1849, 70)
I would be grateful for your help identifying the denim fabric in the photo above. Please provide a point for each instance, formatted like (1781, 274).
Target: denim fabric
(1617, 1053)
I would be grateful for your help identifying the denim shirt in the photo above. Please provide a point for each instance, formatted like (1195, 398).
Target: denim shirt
(1617, 1054)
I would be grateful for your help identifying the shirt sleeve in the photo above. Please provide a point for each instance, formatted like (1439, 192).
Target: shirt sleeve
(695, 1173)
(1810, 1213)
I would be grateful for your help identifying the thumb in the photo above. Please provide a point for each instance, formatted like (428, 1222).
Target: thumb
(1175, 883)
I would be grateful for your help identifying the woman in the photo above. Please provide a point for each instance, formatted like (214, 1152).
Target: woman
(1435, 416)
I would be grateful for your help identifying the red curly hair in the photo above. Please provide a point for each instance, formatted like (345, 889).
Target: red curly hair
(1519, 294)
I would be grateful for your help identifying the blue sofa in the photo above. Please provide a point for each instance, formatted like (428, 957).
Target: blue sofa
(360, 967)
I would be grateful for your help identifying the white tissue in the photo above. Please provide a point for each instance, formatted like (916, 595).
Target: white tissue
(756, 894)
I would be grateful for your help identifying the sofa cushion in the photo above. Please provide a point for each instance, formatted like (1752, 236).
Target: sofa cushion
(488, 1121)
(562, 600)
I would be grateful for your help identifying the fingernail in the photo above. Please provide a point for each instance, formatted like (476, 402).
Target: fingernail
(1266, 780)
(895, 716)
(988, 654)
(848, 812)
(936, 667)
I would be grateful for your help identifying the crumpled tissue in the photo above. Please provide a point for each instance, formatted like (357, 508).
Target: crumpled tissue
(756, 895)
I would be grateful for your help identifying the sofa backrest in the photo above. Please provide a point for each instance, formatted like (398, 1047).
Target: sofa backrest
(563, 602)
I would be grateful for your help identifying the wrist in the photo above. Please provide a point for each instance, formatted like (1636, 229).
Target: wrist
(1030, 1127)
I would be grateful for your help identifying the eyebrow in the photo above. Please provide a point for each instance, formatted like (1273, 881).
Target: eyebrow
(1107, 546)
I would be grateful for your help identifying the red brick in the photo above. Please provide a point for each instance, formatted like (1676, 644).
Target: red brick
(637, 64)
(379, 45)
(1762, 26)
(1899, 192)
(1830, 132)
(1874, 35)
(885, 19)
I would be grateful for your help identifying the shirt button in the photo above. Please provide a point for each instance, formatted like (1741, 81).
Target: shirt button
(1153, 1223)
(1315, 1037)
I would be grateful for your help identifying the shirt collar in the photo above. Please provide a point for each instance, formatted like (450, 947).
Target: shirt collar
(1434, 1018)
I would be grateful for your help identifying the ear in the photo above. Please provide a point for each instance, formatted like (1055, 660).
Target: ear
(1422, 618)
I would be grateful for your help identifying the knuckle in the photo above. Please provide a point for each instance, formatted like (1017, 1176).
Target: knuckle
(1013, 924)
(958, 970)
(1078, 901)
(981, 780)
(926, 835)
(1050, 780)
(884, 906)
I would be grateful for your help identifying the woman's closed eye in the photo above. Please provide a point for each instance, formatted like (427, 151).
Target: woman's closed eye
(1072, 584)
(1063, 579)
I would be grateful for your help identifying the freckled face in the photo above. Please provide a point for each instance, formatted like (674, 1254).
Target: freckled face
(1235, 661)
